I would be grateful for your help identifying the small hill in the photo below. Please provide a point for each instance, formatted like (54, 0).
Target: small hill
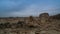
(56, 17)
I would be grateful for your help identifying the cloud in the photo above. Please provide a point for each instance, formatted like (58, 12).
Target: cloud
(28, 7)
(35, 10)
(29, 10)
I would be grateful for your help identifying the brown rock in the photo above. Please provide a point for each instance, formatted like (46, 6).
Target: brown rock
(44, 17)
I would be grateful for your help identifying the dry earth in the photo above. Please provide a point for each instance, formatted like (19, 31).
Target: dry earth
(44, 24)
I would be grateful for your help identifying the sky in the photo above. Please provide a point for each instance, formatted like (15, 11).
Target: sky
(23, 8)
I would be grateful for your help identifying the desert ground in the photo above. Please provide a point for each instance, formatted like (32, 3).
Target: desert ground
(43, 24)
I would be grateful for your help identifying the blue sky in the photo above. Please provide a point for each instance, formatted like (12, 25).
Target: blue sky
(28, 7)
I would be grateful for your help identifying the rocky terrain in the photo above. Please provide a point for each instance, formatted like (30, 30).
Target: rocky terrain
(43, 24)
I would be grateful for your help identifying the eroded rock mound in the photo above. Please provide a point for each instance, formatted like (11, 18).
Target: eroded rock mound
(44, 17)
